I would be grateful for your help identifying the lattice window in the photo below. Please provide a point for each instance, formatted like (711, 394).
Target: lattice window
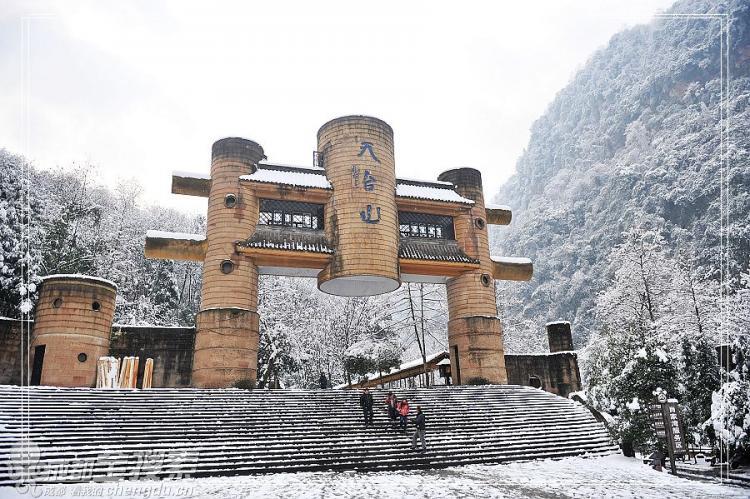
(291, 214)
(425, 225)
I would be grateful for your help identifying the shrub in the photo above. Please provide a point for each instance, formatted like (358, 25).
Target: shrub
(478, 380)
(244, 384)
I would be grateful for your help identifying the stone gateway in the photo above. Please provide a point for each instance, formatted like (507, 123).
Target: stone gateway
(350, 223)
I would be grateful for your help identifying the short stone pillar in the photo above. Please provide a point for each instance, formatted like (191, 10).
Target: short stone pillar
(72, 329)
(226, 338)
(475, 333)
(361, 216)
(559, 336)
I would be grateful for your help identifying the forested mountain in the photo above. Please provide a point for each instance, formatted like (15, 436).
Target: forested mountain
(618, 199)
(634, 141)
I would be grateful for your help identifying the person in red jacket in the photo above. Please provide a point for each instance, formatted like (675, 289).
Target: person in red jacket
(403, 413)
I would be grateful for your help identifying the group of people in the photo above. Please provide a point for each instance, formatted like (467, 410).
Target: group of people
(397, 410)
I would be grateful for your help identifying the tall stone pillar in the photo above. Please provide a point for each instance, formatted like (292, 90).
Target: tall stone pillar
(72, 329)
(361, 217)
(559, 336)
(226, 340)
(475, 334)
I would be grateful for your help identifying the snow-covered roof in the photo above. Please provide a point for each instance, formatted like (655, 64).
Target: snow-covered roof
(407, 180)
(493, 206)
(431, 193)
(511, 260)
(160, 234)
(290, 239)
(294, 178)
(270, 165)
(557, 322)
(181, 174)
(80, 277)
(441, 250)
(403, 367)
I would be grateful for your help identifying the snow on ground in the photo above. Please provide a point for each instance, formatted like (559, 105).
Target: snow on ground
(611, 477)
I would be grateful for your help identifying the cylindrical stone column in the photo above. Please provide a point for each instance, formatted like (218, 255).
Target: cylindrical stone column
(474, 331)
(559, 336)
(72, 328)
(226, 340)
(361, 216)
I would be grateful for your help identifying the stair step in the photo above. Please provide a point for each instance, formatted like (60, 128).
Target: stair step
(231, 432)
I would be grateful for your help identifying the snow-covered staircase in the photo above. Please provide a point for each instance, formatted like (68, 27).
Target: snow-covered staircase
(164, 433)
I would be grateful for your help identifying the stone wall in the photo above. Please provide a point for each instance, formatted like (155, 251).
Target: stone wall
(557, 372)
(170, 347)
(10, 351)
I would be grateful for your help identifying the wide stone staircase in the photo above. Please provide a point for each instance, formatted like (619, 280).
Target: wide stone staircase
(55, 435)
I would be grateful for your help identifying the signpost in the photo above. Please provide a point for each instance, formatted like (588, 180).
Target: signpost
(668, 426)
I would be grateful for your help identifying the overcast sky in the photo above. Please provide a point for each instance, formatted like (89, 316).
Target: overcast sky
(143, 88)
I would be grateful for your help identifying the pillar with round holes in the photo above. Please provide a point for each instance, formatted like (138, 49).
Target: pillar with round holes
(361, 216)
(474, 332)
(226, 339)
(72, 329)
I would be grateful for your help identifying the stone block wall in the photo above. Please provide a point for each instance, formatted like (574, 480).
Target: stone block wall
(170, 347)
(10, 350)
(557, 372)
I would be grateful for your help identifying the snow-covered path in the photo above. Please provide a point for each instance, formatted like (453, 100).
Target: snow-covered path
(611, 476)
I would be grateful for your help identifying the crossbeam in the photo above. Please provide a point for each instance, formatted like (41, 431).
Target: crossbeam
(175, 246)
(192, 247)
(191, 184)
(512, 268)
(498, 214)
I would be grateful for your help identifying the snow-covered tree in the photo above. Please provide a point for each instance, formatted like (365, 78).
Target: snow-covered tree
(730, 409)
(19, 257)
(699, 378)
(633, 389)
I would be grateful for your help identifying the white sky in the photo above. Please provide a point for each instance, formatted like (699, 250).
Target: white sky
(141, 88)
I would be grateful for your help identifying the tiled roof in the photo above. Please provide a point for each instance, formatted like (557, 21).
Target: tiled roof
(440, 250)
(314, 241)
(289, 238)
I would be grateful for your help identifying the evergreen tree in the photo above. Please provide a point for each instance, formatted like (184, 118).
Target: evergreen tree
(633, 389)
(699, 378)
(19, 256)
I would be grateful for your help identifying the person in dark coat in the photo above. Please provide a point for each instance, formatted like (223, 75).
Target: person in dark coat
(419, 431)
(366, 402)
(390, 402)
(323, 381)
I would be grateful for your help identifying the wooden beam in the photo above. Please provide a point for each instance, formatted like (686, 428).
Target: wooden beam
(499, 215)
(435, 268)
(265, 257)
(288, 192)
(512, 269)
(190, 185)
(170, 246)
